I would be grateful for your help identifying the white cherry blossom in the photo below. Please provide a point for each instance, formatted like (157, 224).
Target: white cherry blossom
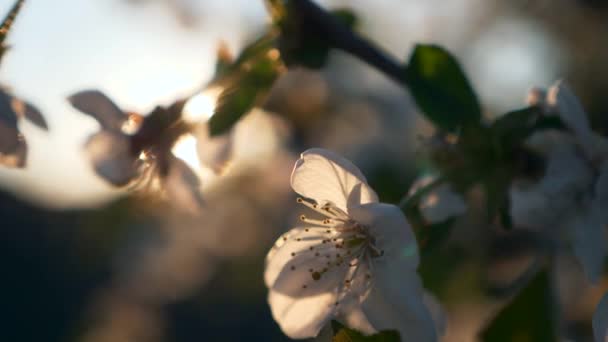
(441, 203)
(600, 320)
(574, 188)
(356, 264)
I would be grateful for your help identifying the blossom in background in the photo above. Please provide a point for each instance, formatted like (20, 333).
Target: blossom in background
(356, 264)
(600, 320)
(137, 151)
(13, 147)
(441, 203)
(573, 193)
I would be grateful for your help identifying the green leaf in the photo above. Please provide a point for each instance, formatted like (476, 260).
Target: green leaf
(346, 16)
(245, 84)
(303, 39)
(528, 318)
(6, 25)
(344, 334)
(441, 89)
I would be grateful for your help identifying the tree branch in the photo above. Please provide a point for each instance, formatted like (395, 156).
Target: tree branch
(341, 37)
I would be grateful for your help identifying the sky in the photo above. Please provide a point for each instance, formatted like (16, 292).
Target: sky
(141, 56)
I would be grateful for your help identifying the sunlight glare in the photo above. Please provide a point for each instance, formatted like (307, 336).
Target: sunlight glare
(185, 149)
(201, 107)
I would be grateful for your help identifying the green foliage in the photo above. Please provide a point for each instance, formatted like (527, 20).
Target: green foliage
(344, 334)
(346, 17)
(245, 83)
(303, 39)
(441, 88)
(528, 318)
(7, 24)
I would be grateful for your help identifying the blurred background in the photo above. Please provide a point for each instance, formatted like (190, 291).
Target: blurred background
(83, 261)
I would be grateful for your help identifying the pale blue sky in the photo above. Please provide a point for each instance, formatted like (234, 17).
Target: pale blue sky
(141, 57)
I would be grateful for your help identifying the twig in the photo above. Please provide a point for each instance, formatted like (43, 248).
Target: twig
(341, 37)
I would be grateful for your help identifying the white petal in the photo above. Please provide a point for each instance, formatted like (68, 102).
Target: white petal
(302, 317)
(99, 106)
(590, 243)
(354, 318)
(530, 207)
(295, 265)
(601, 188)
(396, 302)
(392, 232)
(437, 312)
(442, 204)
(567, 174)
(570, 110)
(302, 296)
(600, 320)
(556, 197)
(213, 152)
(324, 176)
(182, 187)
(110, 154)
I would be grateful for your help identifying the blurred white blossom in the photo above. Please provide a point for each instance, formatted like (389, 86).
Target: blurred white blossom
(600, 320)
(13, 146)
(137, 151)
(357, 264)
(573, 191)
(441, 203)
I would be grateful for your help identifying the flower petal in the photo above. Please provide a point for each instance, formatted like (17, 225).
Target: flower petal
(556, 197)
(601, 189)
(392, 232)
(111, 157)
(570, 110)
(182, 187)
(442, 204)
(354, 318)
(324, 176)
(600, 320)
(213, 152)
(396, 302)
(99, 106)
(30, 112)
(590, 242)
(302, 263)
(302, 317)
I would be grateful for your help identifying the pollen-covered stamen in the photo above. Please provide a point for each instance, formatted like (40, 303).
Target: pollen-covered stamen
(349, 247)
(323, 223)
(328, 209)
(332, 210)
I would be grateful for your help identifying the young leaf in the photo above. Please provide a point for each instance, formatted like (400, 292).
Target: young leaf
(306, 31)
(344, 334)
(441, 88)
(6, 25)
(529, 317)
(244, 83)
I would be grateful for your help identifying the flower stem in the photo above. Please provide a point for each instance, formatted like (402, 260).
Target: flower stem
(340, 37)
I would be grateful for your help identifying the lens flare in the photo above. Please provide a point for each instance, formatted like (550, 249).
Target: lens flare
(201, 107)
(185, 149)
